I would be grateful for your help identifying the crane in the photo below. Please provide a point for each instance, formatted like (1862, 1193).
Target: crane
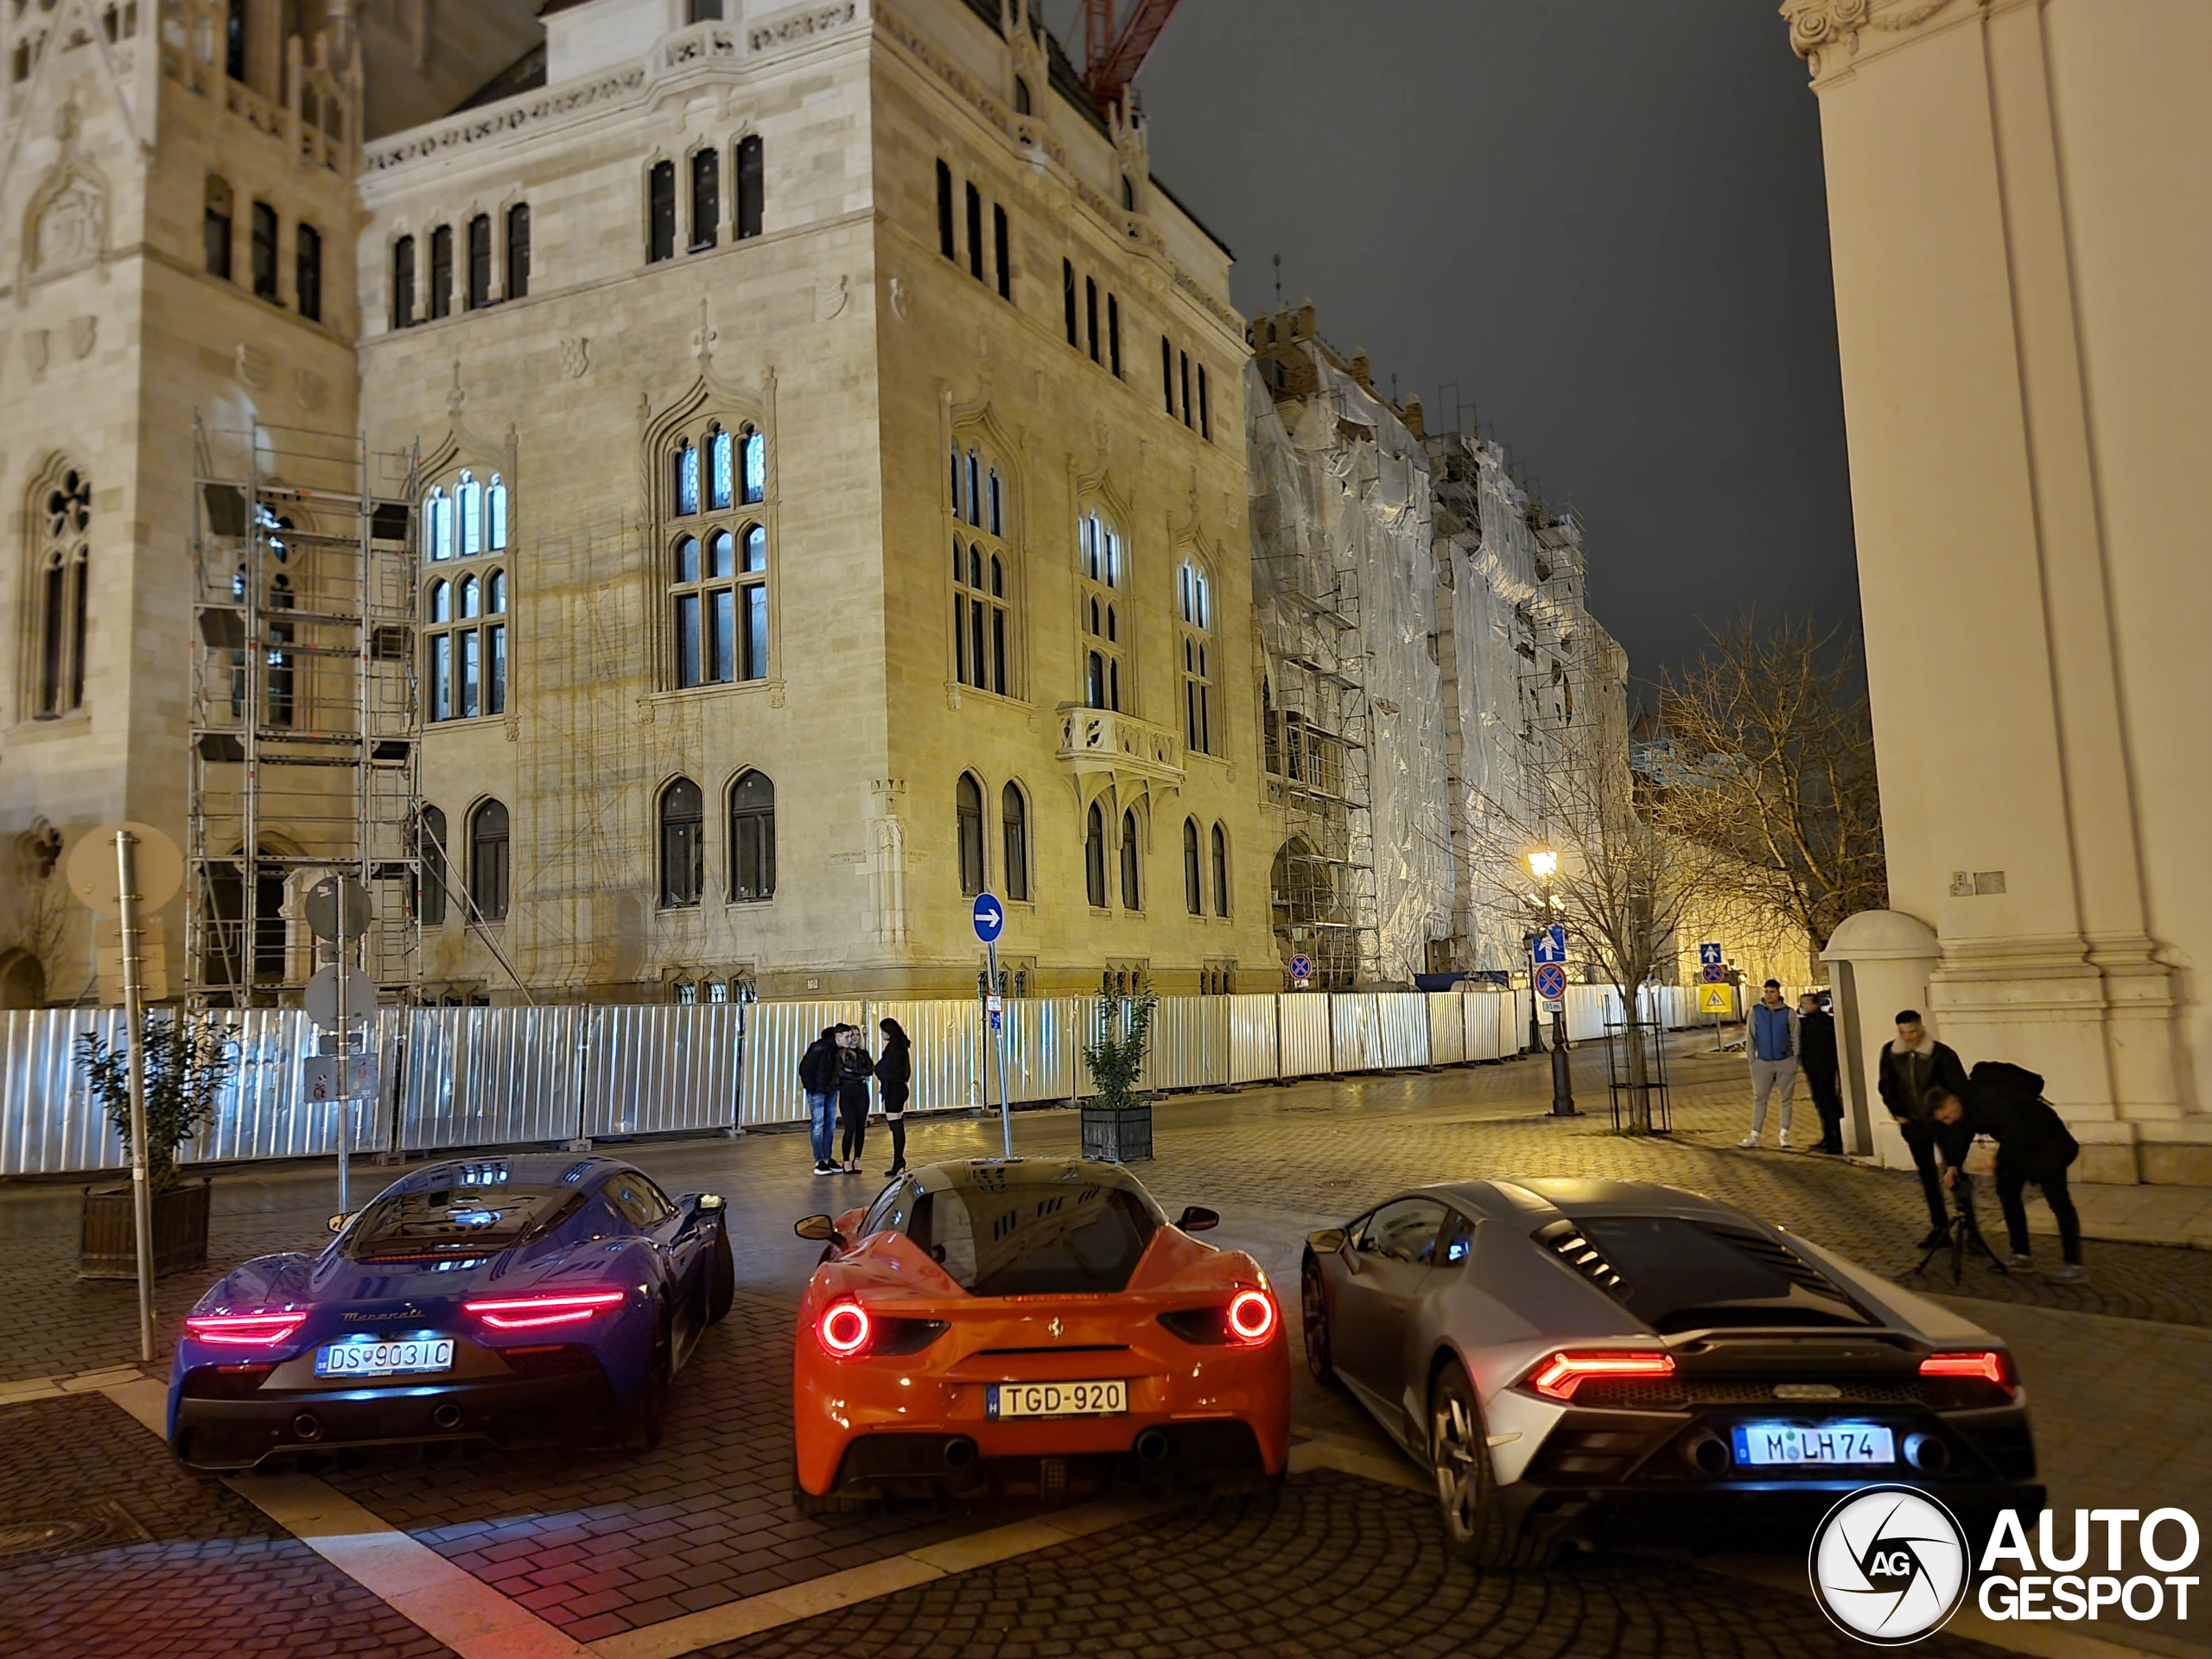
(1110, 60)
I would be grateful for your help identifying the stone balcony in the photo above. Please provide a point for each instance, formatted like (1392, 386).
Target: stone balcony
(1102, 746)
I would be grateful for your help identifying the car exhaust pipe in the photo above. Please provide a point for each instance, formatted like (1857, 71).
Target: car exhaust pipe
(446, 1416)
(1927, 1453)
(307, 1427)
(959, 1452)
(1152, 1445)
(1707, 1453)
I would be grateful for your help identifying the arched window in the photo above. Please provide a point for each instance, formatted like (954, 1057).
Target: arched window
(1194, 898)
(706, 198)
(437, 524)
(469, 496)
(495, 515)
(751, 186)
(1014, 822)
(431, 878)
(722, 470)
(684, 464)
(1220, 871)
(403, 270)
(1094, 857)
(487, 862)
(464, 616)
(682, 853)
(660, 211)
(969, 812)
(983, 611)
(756, 464)
(261, 244)
(1099, 570)
(61, 517)
(1131, 891)
(478, 294)
(753, 838)
(440, 272)
(1196, 611)
(217, 215)
(718, 566)
(518, 251)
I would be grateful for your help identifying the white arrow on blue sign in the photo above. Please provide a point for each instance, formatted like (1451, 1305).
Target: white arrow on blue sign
(1710, 956)
(1551, 943)
(990, 917)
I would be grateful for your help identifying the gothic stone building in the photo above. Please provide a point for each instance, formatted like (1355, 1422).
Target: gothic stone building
(828, 442)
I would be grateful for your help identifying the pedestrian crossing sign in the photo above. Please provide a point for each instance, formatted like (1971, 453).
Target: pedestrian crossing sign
(1716, 999)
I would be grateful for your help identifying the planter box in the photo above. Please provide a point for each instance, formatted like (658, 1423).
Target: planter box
(108, 1246)
(1123, 1136)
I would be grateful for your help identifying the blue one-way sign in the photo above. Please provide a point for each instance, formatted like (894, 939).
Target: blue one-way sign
(1711, 956)
(990, 917)
(1551, 943)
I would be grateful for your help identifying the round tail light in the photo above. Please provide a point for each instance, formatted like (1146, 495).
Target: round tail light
(1252, 1316)
(844, 1329)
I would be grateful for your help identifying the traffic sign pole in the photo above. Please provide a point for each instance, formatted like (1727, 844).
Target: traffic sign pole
(345, 1055)
(990, 920)
(134, 1019)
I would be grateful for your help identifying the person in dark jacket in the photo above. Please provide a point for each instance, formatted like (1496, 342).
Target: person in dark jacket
(2006, 1102)
(894, 1072)
(855, 1068)
(1816, 1061)
(1911, 1066)
(818, 1077)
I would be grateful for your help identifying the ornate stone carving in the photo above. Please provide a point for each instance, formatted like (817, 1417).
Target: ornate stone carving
(575, 356)
(254, 366)
(66, 224)
(828, 297)
(902, 305)
(84, 334)
(1820, 29)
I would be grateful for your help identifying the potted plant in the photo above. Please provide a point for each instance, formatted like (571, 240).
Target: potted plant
(187, 1061)
(1116, 1119)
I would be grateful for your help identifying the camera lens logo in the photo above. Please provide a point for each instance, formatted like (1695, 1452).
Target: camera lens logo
(1889, 1565)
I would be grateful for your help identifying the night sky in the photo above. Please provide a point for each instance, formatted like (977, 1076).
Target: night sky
(1603, 219)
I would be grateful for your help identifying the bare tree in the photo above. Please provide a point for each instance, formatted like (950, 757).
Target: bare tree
(1768, 757)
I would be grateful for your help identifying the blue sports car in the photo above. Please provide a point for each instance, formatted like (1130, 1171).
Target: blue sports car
(525, 1300)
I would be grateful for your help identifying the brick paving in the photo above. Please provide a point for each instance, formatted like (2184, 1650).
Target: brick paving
(148, 1561)
(1330, 1566)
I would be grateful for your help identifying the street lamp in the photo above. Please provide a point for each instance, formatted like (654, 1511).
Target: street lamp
(1543, 864)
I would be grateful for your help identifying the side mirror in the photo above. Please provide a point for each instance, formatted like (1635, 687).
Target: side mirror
(338, 1222)
(1196, 1219)
(1327, 1242)
(821, 1229)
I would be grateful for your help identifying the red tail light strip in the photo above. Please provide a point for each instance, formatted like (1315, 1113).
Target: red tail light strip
(552, 1307)
(245, 1330)
(1990, 1365)
(1558, 1376)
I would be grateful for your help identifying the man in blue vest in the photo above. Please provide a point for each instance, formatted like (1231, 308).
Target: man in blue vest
(1773, 1046)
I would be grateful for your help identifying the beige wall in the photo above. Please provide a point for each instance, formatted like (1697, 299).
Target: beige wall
(2017, 259)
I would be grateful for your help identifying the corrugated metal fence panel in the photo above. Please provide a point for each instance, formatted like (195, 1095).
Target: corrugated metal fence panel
(649, 1069)
(1304, 1017)
(262, 1111)
(1401, 1022)
(1189, 1044)
(1043, 1053)
(1447, 1029)
(48, 1120)
(1356, 1031)
(1252, 1056)
(1512, 1036)
(492, 1077)
(775, 1034)
(947, 1037)
(1588, 1010)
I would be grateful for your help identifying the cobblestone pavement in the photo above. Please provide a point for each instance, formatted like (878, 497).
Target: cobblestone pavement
(116, 1551)
(1330, 1565)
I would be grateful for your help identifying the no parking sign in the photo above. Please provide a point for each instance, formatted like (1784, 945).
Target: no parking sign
(1551, 985)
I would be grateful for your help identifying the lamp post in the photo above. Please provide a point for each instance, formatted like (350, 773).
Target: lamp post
(1543, 864)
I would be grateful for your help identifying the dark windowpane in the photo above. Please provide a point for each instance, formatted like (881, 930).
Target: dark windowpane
(1014, 814)
(1220, 872)
(518, 251)
(54, 657)
(1114, 335)
(756, 632)
(468, 674)
(402, 278)
(975, 233)
(976, 637)
(998, 651)
(703, 11)
(1183, 359)
(681, 845)
(215, 229)
(479, 262)
(752, 837)
(264, 251)
(307, 271)
(960, 668)
(1067, 296)
(751, 187)
(998, 507)
(687, 639)
(706, 198)
(1167, 373)
(441, 271)
(495, 670)
(487, 860)
(721, 470)
(968, 797)
(441, 677)
(660, 211)
(1205, 407)
(756, 468)
(1193, 899)
(686, 559)
(1090, 314)
(430, 884)
(1131, 897)
(945, 233)
(1004, 264)
(721, 638)
(1094, 858)
(234, 41)
(756, 548)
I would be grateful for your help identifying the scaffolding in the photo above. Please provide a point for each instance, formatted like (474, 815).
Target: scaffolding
(305, 721)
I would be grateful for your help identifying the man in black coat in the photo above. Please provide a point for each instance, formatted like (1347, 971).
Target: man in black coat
(1817, 1062)
(1910, 1066)
(818, 1079)
(2006, 1102)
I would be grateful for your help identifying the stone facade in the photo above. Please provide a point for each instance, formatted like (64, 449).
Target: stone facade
(2024, 359)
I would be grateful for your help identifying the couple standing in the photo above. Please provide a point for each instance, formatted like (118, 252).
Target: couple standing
(1783, 1042)
(835, 1073)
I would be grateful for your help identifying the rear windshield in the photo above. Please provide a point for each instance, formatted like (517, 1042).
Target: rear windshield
(456, 1220)
(1678, 1275)
(1034, 1238)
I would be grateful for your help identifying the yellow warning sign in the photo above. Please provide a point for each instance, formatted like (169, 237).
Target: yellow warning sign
(1716, 999)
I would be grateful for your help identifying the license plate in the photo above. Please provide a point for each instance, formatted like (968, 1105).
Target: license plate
(1057, 1399)
(384, 1358)
(1762, 1444)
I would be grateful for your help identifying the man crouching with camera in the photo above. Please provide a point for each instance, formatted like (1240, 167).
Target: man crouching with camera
(2006, 1102)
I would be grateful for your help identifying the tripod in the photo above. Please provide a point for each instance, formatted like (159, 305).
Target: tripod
(1963, 1235)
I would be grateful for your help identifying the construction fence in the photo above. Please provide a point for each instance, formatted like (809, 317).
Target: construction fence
(455, 1078)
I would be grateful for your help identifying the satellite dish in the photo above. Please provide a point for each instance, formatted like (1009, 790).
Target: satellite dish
(94, 877)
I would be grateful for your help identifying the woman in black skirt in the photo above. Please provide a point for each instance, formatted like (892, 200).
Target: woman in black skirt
(894, 1072)
(853, 1069)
